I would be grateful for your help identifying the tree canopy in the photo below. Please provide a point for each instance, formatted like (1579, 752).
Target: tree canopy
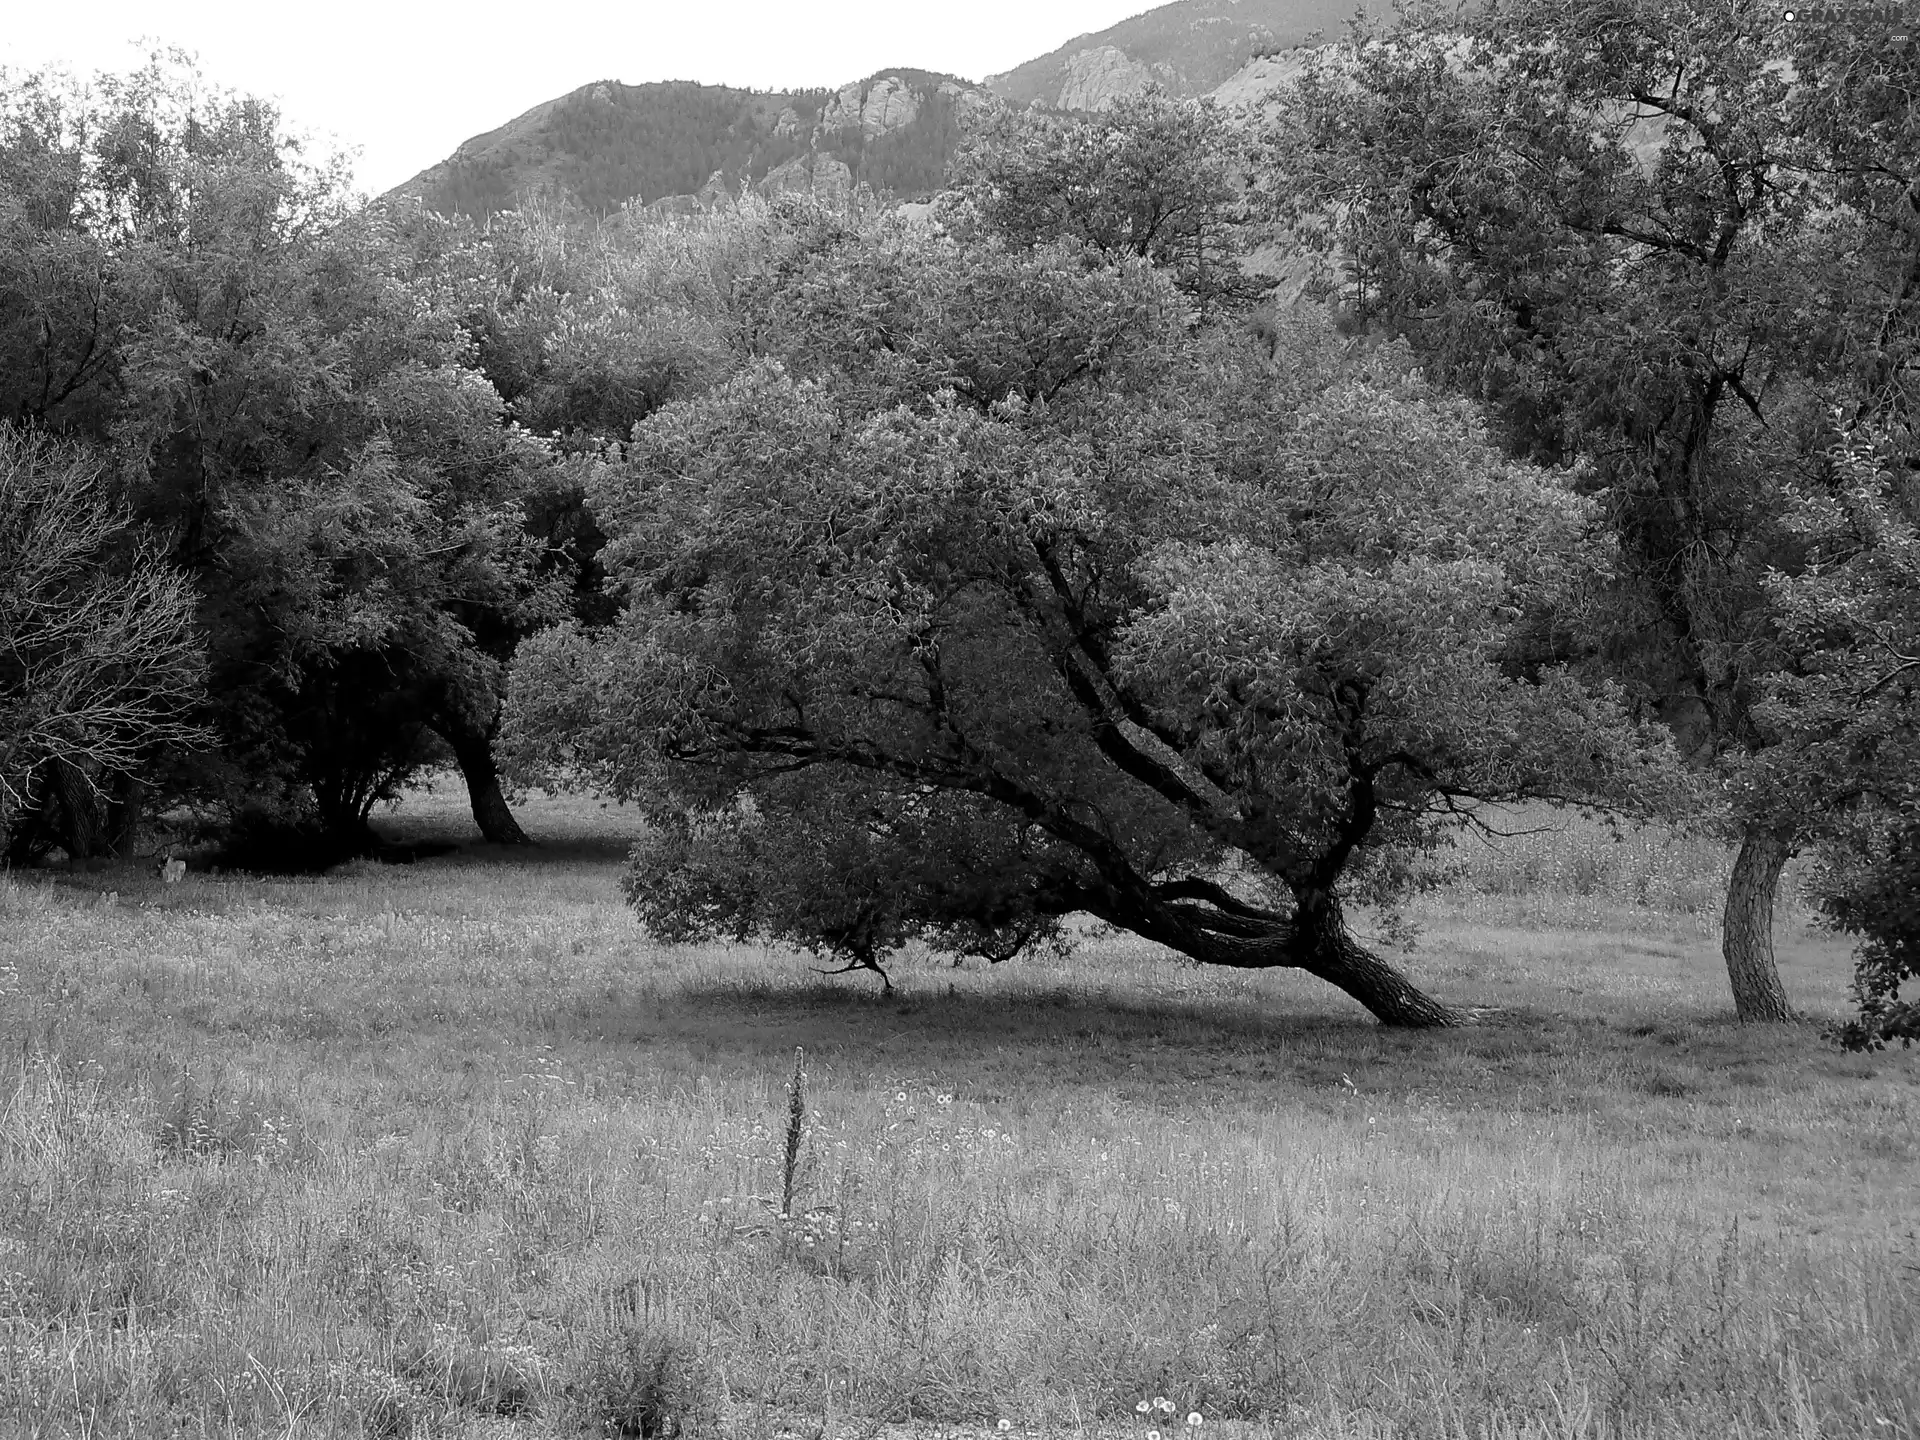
(985, 592)
(1152, 176)
(284, 387)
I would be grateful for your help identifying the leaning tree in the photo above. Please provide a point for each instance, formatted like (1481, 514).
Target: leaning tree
(989, 592)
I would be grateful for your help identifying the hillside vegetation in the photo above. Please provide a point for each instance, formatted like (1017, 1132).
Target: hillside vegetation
(606, 144)
(1188, 47)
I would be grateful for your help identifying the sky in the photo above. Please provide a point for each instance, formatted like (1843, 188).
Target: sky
(405, 81)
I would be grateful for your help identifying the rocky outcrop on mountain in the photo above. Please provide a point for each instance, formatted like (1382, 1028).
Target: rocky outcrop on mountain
(874, 106)
(1254, 84)
(1094, 79)
(817, 174)
(1189, 47)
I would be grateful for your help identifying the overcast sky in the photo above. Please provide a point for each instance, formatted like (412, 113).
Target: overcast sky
(405, 81)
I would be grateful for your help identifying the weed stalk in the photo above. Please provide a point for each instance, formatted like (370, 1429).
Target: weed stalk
(796, 1126)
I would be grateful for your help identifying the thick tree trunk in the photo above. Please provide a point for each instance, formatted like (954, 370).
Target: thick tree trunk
(1747, 929)
(473, 750)
(1314, 938)
(1326, 949)
(77, 812)
(125, 812)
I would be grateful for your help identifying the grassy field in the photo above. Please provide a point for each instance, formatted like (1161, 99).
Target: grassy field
(454, 1149)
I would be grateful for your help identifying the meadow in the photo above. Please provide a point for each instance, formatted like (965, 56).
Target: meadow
(455, 1149)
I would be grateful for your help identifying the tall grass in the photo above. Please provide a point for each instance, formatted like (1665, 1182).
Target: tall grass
(453, 1149)
(1559, 868)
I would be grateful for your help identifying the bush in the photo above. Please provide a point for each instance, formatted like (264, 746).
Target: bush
(645, 1380)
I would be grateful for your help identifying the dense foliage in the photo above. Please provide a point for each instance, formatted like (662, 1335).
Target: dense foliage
(985, 593)
(1847, 719)
(1669, 239)
(1152, 177)
(281, 390)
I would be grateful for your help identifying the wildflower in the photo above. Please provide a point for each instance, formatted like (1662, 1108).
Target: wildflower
(1153, 1435)
(1144, 1406)
(1161, 1402)
(1193, 1417)
(1006, 1424)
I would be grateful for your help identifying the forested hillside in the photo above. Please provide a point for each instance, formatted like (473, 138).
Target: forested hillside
(1188, 47)
(607, 143)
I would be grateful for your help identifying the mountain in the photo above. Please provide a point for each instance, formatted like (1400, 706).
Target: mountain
(678, 144)
(607, 143)
(1189, 47)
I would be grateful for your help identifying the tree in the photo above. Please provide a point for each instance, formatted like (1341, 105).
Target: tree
(1669, 239)
(1153, 176)
(180, 286)
(1846, 721)
(99, 666)
(986, 593)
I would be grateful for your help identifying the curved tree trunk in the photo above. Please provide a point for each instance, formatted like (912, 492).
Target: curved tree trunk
(1747, 928)
(1315, 938)
(1393, 999)
(1325, 948)
(473, 750)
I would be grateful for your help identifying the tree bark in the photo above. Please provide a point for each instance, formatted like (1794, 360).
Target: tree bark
(125, 812)
(1747, 927)
(77, 812)
(473, 750)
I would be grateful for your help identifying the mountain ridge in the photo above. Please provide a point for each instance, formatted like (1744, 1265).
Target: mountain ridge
(680, 144)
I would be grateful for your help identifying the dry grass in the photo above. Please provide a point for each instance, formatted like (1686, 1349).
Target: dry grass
(453, 1149)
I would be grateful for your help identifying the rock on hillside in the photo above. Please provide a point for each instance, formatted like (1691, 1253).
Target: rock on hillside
(1190, 47)
(1094, 79)
(815, 174)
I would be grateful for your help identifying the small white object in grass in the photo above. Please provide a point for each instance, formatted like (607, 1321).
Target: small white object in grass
(1144, 1406)
(1193, 1417)
(1006, 1424)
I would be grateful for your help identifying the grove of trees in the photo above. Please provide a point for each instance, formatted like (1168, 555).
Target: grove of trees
(935, 582)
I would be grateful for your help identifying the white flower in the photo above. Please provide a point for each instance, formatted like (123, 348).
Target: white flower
(1161, 1402)
(1144, 1406)
(1193, 1417)
(1153, 1435)
(1006, 1424)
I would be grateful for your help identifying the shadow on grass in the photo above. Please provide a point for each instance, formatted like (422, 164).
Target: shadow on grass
(1038, 1039)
